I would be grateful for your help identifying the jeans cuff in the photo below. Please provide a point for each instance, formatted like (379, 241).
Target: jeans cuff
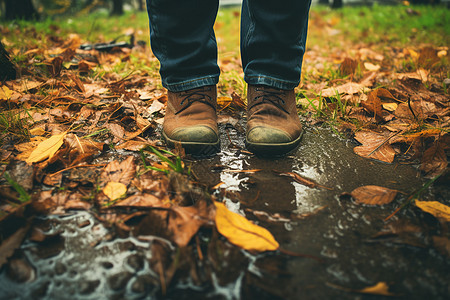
(191, 84)
(271, 81)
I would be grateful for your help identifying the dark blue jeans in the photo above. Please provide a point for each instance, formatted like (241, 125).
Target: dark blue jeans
(273, 37)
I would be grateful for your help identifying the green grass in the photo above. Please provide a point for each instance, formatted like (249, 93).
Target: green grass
(391, 24)
(14, 126)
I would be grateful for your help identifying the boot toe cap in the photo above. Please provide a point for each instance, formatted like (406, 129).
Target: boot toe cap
(195, 134)
(267, 135)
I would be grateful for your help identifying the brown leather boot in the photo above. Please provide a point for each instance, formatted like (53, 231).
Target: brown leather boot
(273, 125)
(191, 120)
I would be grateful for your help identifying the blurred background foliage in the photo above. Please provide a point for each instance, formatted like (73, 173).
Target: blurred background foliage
(41, 9)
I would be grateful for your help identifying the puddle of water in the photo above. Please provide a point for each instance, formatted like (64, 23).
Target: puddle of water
(340, 233)
(90, 264)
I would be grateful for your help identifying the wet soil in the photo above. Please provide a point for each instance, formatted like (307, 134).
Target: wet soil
(353, 244)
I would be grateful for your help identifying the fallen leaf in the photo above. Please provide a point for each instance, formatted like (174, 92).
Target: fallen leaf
(300, 179)
(122, 172)
(143, 200)
(437, 209)
(375, 146)
(349, 88)
(381, 288)
(373, 195)
(184, 222)
(116, 130)
(243, 233)
(348, 66)
(401, 232)
(442, 244)
(371, 67)
(390, 106)
(13, 242)
(434, 160)
(47, 148)
(114, 190)
(5, 93)
(155, 107)
(373, 104)
(133, 145)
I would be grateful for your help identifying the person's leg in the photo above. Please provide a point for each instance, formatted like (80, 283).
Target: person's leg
(183, 40)
(273, 37)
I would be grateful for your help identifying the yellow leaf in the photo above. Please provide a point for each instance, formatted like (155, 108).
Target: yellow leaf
(435, 208)
(390, 106)
(37, 131)
(243, 233)
(47, 148)
(442, 53)
(114, 190)
(371, 67)
(5, 93)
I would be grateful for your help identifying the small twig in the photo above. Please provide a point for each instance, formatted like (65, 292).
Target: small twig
(412, 111)
(78, 166)
(385, 141)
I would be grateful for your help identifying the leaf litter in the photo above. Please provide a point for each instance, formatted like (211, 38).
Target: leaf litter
(81, 109)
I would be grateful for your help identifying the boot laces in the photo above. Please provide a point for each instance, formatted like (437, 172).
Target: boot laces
(273, 97)
(196, 95)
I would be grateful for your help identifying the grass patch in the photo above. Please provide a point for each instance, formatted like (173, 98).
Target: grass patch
(397, 25)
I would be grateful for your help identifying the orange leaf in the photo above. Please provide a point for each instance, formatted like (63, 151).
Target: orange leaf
(243, 233)
(374, 146)
(373, 195)
(435, 208)
(381, 288)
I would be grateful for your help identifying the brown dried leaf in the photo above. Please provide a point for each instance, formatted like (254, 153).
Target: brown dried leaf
(375, 146)
(348, 66)
(442, 244)
(427, 57)
(184, 222)
(156, 106)
(373, 195)
(122, 172)
(349, 88)
(133, 145)
(144, 200)
(434, 160)
(13, 242)
(373, 104)
(116, 130)
(300, 179)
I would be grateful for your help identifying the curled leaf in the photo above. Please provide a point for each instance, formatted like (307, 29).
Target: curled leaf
(243, 233)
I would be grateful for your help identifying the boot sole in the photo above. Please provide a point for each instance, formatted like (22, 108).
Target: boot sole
(270, 149)
(194, 148)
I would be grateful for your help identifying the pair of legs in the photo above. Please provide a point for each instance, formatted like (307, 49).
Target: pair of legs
(273, 37)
